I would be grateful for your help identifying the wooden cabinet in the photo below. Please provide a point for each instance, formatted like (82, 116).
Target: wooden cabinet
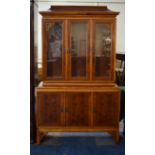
(78, 92)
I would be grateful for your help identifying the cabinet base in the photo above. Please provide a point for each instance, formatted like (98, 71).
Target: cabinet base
(43, 131)
(78, 109)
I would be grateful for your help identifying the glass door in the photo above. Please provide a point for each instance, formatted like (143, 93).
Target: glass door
(102, 51)
(54, 54)
(78, 50)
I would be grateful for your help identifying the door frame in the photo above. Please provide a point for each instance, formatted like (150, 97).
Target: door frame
(45, 46)
(112, 22)
(69, 22)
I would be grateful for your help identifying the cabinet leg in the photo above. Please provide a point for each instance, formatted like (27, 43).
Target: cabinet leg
(38, 137)
(115, 136)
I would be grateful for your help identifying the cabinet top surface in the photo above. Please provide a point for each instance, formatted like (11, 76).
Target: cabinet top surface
(79, 10)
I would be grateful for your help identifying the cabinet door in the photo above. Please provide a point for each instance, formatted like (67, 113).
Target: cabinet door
(103, 48)
(78, 50)
(77, 109)
(50, 109)
(105, 109)
(53, 54)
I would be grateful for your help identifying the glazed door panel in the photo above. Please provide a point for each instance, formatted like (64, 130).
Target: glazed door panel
(105, 108)
(78, 109)
(102, 50)
(51, 109)
(54, 56)
(78, 49)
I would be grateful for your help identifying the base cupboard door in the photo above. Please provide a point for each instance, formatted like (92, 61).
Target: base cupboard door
(78, 109)
(50, 109)
(105, 109)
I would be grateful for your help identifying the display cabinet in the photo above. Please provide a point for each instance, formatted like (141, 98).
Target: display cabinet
(78, 92)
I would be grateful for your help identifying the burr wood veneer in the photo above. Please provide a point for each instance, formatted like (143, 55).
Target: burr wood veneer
(78, 92)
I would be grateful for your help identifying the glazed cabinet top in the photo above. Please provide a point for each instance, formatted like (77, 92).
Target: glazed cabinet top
(79, 44)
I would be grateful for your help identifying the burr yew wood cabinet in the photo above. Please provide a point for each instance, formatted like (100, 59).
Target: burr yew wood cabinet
(78, 92)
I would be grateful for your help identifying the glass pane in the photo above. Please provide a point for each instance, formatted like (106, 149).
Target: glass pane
(102, 51)
(78, 49)
(54, 50)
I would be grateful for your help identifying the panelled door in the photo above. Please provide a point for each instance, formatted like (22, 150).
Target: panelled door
(77, 109)
(78, 49)
(105, 109)
(103, 50)
(50, 109)
(54, 49)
